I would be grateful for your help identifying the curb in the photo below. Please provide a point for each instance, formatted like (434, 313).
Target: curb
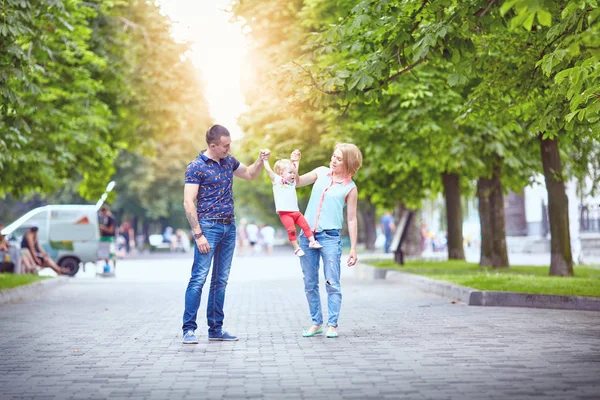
(474, 297)
(31, 290)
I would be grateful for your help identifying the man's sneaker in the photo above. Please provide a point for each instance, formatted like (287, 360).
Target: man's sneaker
(315, 245)
(299, 252)
(189, 338)
(223, 337)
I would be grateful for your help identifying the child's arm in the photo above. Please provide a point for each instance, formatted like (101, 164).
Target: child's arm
(295, 157)
(272, 174)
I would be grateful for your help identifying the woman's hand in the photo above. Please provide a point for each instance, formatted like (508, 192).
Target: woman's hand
(352, 258)
(203, 245)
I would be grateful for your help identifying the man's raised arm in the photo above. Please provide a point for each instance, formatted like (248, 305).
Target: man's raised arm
(251, 173)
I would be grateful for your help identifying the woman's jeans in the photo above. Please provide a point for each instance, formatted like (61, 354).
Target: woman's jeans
(331, 253)
(221, 238)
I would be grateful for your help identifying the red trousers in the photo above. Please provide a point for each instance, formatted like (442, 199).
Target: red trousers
(290, 219)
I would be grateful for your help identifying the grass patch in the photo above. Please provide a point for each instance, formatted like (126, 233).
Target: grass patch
(8, 281)
(521, 279)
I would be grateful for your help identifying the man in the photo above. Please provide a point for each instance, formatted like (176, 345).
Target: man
(388, 228)
(107, 235)
(209, 181)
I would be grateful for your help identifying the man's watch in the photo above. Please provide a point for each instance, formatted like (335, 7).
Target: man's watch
(198, 235)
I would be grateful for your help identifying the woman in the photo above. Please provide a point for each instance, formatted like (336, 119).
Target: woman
(40, 257)
(333, 190)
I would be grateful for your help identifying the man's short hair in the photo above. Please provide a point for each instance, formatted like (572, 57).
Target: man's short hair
(214, 133)
(104, 208)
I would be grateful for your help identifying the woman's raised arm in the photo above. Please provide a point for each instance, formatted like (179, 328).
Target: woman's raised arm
(307, 179)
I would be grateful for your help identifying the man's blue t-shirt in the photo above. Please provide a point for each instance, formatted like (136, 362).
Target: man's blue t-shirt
(386, 221)
(215, 190)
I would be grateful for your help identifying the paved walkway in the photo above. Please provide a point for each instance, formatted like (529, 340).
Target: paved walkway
(97, 338)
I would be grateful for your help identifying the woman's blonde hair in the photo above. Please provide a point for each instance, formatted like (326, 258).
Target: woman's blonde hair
(282, 165)
(352, 157)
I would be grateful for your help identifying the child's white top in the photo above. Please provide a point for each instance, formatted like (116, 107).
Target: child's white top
(285, 196)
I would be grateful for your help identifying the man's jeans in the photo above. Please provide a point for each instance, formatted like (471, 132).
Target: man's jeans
(331, 253)
(221, 238)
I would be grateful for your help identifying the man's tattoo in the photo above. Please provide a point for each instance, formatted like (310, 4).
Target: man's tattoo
(192, 219)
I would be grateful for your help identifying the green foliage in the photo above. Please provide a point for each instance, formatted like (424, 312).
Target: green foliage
(8, 281)
(455, 83)
(52, 123)
(521, 279)
(90, 89)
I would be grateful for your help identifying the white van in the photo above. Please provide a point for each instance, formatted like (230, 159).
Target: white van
(68, 233)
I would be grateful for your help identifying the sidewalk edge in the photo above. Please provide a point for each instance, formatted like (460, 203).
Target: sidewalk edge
(31, 290)
(474, 297)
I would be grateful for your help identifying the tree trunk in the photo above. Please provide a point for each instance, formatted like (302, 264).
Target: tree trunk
(500, 253)
(451, 183)
(487, 237)
(491, 214)
(369, 222)
(146, 230)
(561, 259)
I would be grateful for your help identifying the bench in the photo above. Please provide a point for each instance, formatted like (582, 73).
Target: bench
(156, 243)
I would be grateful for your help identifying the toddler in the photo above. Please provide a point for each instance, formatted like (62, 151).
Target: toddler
(286, 200)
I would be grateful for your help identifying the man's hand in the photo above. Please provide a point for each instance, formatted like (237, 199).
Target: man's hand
(296, 155)
(265, 154)
(203, 245)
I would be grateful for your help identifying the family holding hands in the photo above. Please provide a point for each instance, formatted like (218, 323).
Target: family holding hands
(208, 203)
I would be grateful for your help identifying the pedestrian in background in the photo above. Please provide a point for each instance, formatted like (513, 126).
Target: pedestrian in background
(208, 203)
(108, 225)
(242, 237)
(252, 235)
(268, 237)
(388, 227)
(42, 259)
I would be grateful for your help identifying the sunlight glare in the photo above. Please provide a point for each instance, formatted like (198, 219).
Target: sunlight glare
(218, 50)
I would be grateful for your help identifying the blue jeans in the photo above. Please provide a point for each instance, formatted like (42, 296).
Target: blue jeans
(221, 238)
(331, 253)
(388, 241)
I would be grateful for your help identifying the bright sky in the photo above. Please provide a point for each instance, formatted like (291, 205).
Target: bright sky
(218, 51)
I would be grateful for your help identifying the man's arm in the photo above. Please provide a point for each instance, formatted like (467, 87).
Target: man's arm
(251, 173)
(352, 200)
(190, 191)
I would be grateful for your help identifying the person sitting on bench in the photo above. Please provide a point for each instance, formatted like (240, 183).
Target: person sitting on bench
(41, 258)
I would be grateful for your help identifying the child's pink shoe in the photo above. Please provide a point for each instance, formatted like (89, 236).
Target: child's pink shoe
(299, 252)
(315, 245)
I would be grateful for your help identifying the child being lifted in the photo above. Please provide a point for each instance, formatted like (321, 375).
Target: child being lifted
(286, 200)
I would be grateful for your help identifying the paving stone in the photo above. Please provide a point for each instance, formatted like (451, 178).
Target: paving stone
(120, 338)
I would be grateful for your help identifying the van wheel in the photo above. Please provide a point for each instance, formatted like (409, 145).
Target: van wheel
(72, 263)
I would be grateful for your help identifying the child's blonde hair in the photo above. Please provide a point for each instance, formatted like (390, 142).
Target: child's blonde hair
(352, 157)
(282, 165)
